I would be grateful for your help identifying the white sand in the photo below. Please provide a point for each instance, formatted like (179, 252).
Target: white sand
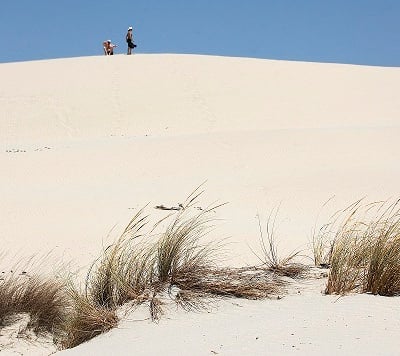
(84, 142)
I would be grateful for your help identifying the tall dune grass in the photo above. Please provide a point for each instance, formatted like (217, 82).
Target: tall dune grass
(141, 265)
(174, 258)
(86, 320)
(120, 272)
(42, 298)
(383, 270)
(179, 249)
(361, 246)
(365, 250)
(117, 276)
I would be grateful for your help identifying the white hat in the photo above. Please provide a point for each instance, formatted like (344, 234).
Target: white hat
(129, 28)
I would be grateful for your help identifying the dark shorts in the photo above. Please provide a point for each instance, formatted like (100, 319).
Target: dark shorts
(131, 44)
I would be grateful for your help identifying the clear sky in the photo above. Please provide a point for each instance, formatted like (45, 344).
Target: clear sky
(344, 31)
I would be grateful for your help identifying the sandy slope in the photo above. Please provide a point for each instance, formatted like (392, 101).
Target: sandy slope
(86, 141)
(298, 325)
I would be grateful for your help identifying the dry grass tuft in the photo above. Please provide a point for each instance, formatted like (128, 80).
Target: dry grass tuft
(383, 272)
(113, 279)
(108, 280)
(193, 300)
(322, 247)
(86, 320)
(142, 270)
(185, 263)
(248, 283)
(43, 299)
(346, 265)
(365, 253)
(269, 258)
(138, 270)
(179, 250)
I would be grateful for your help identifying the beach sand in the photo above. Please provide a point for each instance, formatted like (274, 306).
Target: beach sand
(86, 142)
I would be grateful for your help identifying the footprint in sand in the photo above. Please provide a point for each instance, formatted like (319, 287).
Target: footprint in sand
(15, 150)
(43, 148)
(19, 150)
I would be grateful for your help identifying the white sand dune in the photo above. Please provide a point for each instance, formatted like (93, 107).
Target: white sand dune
(84, 142)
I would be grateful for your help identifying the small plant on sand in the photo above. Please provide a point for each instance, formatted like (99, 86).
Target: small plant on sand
(322, 247)
(269, 256)
(322, 241)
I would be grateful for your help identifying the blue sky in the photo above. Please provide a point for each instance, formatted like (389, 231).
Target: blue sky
(344, 31)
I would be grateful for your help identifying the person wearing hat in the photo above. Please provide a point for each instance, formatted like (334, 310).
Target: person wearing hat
(108, 48)
(129, 40)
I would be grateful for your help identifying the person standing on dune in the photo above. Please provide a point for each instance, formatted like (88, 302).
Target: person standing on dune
(129, 40)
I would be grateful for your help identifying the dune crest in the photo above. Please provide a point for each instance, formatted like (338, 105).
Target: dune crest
(187, 94)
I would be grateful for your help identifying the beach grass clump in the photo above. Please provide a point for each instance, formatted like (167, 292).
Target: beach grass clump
(123, 271)
(180, 250)
(141, 266)
(116, 277)
(383, 270)
(176, 259)
(86, 320)
(347, 265)
(42, 298)
(171, 259)
(153, 264)
(191, 268)
(365, 254)
(140, 263)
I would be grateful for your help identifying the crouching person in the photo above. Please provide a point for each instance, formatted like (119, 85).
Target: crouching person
(108, 48)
